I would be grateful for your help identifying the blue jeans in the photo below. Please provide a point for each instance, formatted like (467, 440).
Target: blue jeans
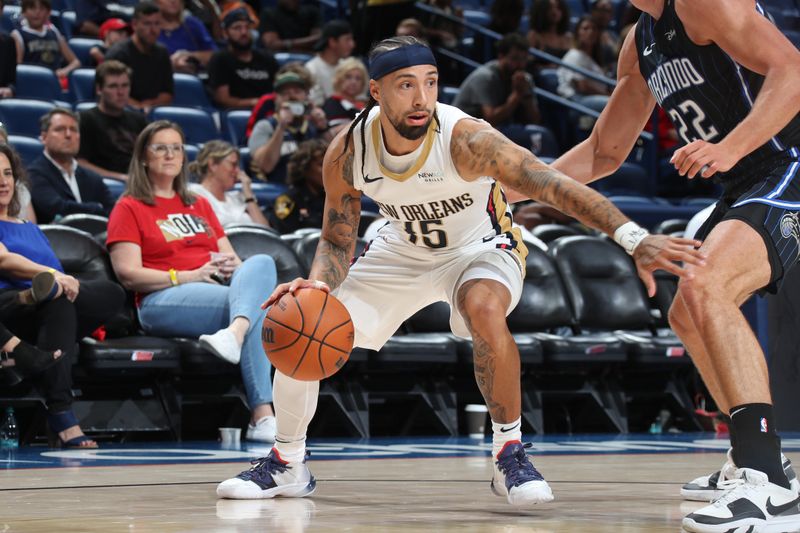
(193, 309)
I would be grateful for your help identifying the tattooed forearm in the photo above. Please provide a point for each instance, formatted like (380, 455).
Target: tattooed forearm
(337, 242)
(347, 168)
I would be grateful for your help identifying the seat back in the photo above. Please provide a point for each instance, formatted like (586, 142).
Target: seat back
(602, 284)
(81, 46)
(198, 126)
(91, 224)
(306, 248)
(34, 81)
(629, 178)
(289, 57)
(235, 124)
(21, 116)
(434, 318)
(28, 148)
(543, 304)
(81, 83)
(80, 255)
(550, 232)
(251, 241)
(189, 92)
(670, 226)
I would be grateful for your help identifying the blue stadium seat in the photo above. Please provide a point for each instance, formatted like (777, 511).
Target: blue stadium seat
(81, 84)
(81, 47)
(234, 125)
(198, 125)
(629, 179)
(34, 81)
(115, 187)
(537, 139)
(477, 16)
(189, 92)
(28, 148)
(84, 106)
(793, 36)
(287, 57)
(21, 117)
(10, 16)
(447, 94)
(191, 152)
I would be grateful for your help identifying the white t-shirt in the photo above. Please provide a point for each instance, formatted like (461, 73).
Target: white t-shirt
(581, 59)
(232, 211)
(323, 79)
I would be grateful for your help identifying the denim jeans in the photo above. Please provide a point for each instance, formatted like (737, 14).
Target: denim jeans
(192, 309)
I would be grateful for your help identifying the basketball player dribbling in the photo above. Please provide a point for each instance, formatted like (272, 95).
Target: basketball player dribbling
(435, 173)
(730, 82)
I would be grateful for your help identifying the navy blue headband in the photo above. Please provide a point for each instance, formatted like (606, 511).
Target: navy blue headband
(403, 57)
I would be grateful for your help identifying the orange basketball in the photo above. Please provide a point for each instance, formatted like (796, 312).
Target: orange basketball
(307, 335)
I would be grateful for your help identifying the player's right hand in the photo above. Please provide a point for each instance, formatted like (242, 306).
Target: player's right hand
(292, 286)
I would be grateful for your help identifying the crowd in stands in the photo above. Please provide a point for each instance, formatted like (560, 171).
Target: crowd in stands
(294, 73)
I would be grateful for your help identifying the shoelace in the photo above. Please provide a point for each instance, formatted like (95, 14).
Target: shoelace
(517, 468)
(262, 467)
(734, 489)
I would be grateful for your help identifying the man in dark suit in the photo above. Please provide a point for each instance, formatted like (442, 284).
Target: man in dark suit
(59, 186)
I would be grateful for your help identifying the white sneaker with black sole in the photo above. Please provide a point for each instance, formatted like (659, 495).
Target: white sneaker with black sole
(750, 504)
(705, 488)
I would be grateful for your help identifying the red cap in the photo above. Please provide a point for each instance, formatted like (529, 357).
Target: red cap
(113, 25)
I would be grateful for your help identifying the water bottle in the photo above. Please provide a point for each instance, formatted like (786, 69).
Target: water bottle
(9, 435)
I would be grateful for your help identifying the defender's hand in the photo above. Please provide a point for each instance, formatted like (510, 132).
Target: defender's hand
(292, 286)
(703, 158)
(661, 252)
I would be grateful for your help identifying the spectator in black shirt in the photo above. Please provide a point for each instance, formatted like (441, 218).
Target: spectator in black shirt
(303, 203)
(152, 83)
(290, 27)
(239, 75)
(109, 131)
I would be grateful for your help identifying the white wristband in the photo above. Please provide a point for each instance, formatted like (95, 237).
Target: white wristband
(629, 235)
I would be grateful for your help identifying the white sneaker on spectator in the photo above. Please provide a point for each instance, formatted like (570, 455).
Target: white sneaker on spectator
(223, 344)
(263, 430)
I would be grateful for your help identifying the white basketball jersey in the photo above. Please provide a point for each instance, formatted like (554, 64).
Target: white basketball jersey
(430, 205)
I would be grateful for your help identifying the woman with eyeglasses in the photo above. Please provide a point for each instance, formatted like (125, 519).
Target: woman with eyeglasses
(167, 246)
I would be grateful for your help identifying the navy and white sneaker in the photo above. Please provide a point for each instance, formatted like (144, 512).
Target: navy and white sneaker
(705, 488)
(517, 479)
(751, 504)
(269, 477)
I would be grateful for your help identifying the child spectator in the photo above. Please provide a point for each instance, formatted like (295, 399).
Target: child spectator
(40, 43)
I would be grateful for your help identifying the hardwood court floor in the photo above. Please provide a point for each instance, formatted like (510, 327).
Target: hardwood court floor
(594, 493)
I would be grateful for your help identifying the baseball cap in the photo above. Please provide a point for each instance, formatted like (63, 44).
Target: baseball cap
(236, 15)
(289, 78)
(332, 30)
(114, 24)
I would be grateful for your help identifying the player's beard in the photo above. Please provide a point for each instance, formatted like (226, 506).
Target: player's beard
(412, 133)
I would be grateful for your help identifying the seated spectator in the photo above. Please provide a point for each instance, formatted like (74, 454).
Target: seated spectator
(40, 43)
(505, 18)
(20, 360)
(349, 83)
(167, 245)
(217, 166)
(8, 63)
(410, 27)
(226, 6)
(24, 194)
(186, 39)
(501, 92)
(109, 131)
(59, 315)
(602, 13)
(442, 31)
(585, 53)
(302, 206)
(152, 83)
(376, 20)
(335, 44)
(295, 120)
(60, 186)
(549, 22)
(111, 32)
(91, 14)
(290, 27)
(239, 75)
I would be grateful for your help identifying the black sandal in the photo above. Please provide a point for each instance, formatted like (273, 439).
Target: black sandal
(28, 361)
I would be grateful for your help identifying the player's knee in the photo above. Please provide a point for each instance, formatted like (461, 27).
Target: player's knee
(483, 313)
(694, 294)
(679, 319)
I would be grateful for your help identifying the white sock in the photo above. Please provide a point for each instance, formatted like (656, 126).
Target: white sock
(295, 404)
(503, 433)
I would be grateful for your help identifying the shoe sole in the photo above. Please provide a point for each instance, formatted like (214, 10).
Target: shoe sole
(709, 494)
(786, 524)
(538, 493)
(41, 286)
(296, 490)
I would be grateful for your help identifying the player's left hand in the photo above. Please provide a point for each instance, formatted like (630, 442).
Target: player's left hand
(662, 252)
(703, 158)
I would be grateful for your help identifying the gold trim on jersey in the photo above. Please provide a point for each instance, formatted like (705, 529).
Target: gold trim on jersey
(426, 149)
(506, 226)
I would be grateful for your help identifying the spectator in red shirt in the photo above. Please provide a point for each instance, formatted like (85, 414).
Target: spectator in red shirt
(349, 84)
(168, 246)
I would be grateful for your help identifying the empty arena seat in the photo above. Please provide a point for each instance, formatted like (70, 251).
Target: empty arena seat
(547, 233)
(198, 125)
(28, 148)
(21, 116)
(190, 92)
(34, 81)
(306, 247)
(81, 83)
(92, 224)
(448, 94)
(234, 126)
(249, 241)
(289, 57)
(81, 46)
(628, 179)
(671, 226)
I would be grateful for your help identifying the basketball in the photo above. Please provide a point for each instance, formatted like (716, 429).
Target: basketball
(307, 335)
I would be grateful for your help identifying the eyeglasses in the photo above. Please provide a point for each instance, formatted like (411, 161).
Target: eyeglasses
(162, 150)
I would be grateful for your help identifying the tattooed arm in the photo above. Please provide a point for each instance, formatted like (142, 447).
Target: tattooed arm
(339, 225)
(480, 150)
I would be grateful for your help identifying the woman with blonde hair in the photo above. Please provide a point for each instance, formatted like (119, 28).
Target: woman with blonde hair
(168, 246)
(350, 81)
(217, 166)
